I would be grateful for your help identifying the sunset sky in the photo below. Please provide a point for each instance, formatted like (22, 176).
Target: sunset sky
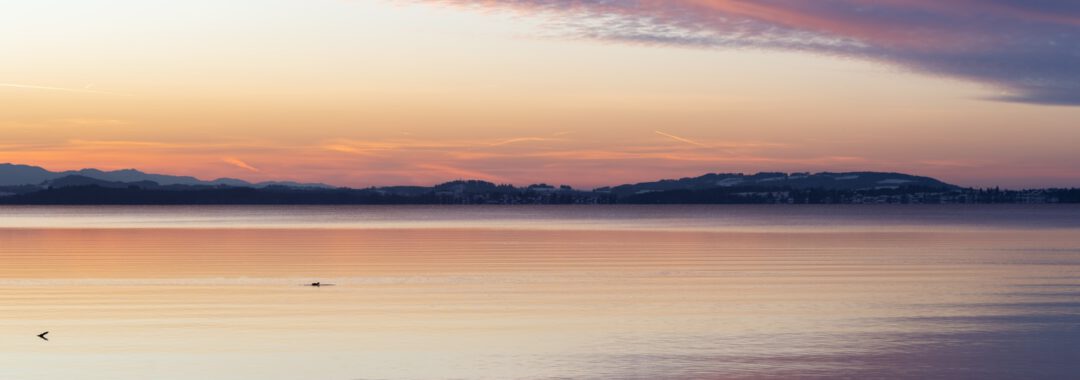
(579, 92)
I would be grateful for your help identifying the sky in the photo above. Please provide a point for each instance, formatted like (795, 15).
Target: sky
(579, 92)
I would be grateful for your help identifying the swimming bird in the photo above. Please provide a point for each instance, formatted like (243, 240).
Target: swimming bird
(42, 335)
(316, 284)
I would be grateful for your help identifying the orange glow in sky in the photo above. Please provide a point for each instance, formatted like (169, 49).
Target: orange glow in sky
(374, 92)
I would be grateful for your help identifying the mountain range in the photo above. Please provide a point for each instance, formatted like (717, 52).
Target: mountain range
(22, 184)
(19, 175)
(25, 175)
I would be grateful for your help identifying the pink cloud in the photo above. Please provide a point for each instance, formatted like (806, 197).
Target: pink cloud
(1026, 49)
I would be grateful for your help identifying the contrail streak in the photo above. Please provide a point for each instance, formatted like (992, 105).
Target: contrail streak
(681, 139)
(47, 88)
(517, 140)
(240, 164)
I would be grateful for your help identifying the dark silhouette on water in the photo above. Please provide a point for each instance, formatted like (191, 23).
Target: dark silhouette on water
(42, 335)
(33, 185)
(319, 284)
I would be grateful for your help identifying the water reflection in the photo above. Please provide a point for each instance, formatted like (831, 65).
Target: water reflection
(836, 300)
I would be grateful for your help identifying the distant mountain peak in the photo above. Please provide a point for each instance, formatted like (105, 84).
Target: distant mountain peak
(75, 180)
(17, 175)
(863, 180)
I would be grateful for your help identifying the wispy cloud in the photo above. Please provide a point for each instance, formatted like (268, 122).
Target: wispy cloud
(92, 122)
(239, 163)
(519, 140)
(1028, 49)
(86, 90)
(153, 146)
(460, 173)
(681, 139)
(387, 146)
(589, 160)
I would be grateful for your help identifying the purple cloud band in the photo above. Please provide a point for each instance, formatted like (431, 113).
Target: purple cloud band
(1029, 49)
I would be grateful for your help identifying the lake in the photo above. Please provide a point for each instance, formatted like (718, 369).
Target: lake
(540, 292)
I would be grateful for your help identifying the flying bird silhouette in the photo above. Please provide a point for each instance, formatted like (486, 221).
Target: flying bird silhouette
(42, 335)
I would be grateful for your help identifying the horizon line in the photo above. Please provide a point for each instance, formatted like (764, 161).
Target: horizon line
(300, 182)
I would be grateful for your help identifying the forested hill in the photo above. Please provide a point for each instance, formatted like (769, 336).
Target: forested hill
(761, 188)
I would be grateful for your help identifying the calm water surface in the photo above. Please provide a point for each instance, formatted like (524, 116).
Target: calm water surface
(679, 292)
